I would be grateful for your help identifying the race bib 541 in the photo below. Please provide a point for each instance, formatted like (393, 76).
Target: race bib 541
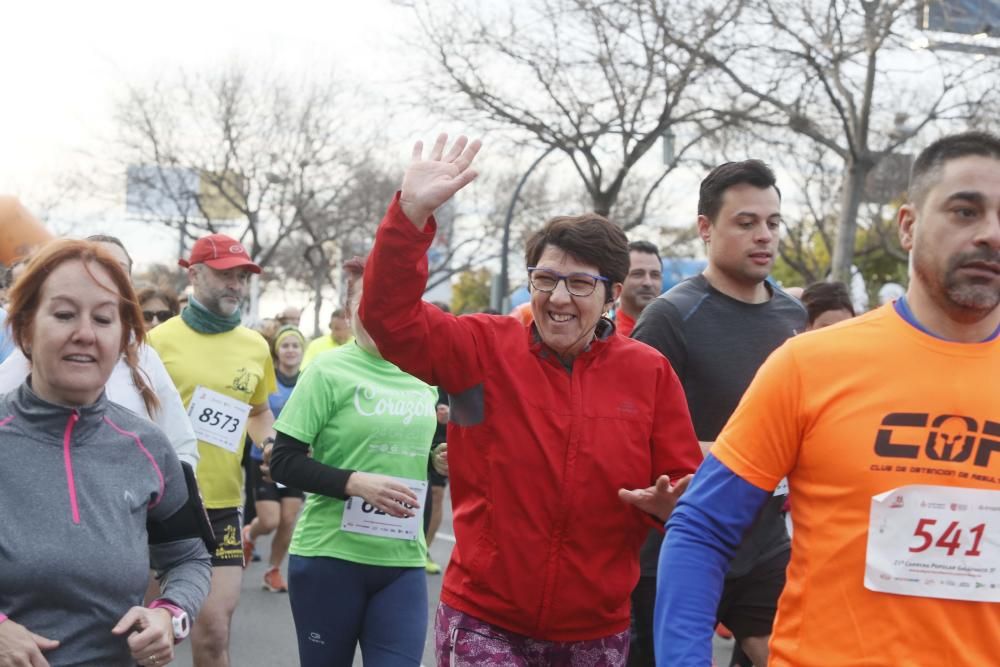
(936, 542)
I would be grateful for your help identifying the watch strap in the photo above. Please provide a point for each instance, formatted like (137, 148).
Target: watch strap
(179, 618)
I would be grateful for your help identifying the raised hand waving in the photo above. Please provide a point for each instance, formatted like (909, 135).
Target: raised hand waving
(427, 184)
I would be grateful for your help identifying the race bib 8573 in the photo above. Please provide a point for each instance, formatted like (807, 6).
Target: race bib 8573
(218, 419)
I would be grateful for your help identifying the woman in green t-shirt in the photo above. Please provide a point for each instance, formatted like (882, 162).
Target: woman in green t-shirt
(356, 571)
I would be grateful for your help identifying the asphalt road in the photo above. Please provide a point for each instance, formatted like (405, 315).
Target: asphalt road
(263, 633)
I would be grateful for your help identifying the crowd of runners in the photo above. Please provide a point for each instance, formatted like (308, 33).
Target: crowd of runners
(630, 472)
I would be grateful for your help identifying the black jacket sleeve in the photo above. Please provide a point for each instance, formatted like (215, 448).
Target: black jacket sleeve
(292, 466)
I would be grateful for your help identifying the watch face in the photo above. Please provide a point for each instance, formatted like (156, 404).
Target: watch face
(181, 626)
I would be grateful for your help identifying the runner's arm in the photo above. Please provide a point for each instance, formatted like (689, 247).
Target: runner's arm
(177, 551)
(437, 347)
(260, 424)
(434, 346)
(292, 466)
(758, 447)
(703, 534)
(185, 570)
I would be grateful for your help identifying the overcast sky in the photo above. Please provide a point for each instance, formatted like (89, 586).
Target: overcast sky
(65, 63)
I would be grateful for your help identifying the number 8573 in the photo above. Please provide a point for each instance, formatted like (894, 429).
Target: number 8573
(226, 423)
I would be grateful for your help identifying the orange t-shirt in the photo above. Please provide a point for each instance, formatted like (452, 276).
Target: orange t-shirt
(817, 413)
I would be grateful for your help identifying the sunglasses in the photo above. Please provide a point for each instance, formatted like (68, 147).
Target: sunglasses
(161, 315)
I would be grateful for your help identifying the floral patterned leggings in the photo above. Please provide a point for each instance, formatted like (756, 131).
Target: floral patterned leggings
(465, 641)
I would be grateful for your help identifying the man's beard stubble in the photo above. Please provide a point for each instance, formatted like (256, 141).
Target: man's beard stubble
(978, 295)
(214, 303)
(960, 295)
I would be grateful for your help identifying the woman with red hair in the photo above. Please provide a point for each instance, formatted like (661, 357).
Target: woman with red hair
(155, 397)
(91, 493)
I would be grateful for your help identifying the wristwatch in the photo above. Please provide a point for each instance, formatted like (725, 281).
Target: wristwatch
(179, 618)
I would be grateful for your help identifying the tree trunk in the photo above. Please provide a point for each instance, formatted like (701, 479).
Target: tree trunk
(603, 203)
(847, 226)
(317, 300)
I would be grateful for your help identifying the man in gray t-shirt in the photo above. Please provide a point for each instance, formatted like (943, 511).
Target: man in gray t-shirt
(716, 329)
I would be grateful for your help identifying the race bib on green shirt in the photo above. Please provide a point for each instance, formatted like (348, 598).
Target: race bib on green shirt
(360, 412)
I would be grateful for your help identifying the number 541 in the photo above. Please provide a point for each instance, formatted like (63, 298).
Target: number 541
(950, 539)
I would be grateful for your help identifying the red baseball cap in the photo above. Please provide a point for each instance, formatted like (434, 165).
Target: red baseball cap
(219, 252)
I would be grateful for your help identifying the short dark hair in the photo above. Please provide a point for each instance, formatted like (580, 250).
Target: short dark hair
(933, 158)
(822, 297)
(339, 313)
(113, 240)
(713, 187)
(588, 238)
(646, 247)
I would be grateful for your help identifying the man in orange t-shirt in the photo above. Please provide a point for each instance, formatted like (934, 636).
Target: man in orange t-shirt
(887, 427)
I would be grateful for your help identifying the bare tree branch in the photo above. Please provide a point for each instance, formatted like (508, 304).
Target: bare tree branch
(598, 81)
(842, 74)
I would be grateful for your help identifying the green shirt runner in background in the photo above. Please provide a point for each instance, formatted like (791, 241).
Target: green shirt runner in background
(359, 412)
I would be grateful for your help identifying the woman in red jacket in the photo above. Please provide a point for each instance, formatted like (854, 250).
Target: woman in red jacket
(563, 440)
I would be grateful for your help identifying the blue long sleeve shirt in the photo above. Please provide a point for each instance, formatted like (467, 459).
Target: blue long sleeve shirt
(703, 534)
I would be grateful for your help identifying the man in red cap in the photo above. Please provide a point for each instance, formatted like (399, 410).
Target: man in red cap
(224, 374)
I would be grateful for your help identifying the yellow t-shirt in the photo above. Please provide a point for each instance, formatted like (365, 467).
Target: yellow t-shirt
(321, 344)
(236, 364)
(847, 413)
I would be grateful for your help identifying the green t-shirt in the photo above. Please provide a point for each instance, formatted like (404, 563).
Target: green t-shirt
(362, 413)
